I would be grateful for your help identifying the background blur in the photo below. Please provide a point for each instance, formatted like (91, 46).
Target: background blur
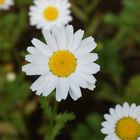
(115, 25)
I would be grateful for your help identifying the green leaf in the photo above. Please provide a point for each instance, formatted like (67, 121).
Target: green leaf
(45, 106)
(60, 122)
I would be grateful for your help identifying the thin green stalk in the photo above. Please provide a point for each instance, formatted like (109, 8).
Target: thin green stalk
(79, 13)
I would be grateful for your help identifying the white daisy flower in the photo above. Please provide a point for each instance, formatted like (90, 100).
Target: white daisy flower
(5, 4)
(65, 63)
(123, 123)
(46, 13)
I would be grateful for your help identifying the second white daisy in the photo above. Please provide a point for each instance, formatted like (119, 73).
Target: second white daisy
(64, 63)
(5, 4)
(47, 13)
(123, 123)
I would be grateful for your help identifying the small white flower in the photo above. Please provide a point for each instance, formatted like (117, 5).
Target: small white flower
(46, 13)
(64, 63)
(11, 76)
(123, 123)
(5, 4)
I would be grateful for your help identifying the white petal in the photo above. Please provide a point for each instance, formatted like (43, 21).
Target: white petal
(50, 40)
(32, 50)
(36, 59)
(88, 69)
(76, 40)
(58, 93)
(87, 58)
(132, 108)
(40, 82)
(78, 80)
(61, 39)
(45, 84)
(110, 137)
(75, 92)
(88, 77)
(126, 109)
(106, 131)
(109, 118)
(34, 69)
(52, 84)
(42, 47)
(86, 46)
(136, 113)
(69, 35)
(113, 114)
(108, 126)
(62, 89)
(91, 86)
(119, 111)
(55, 31)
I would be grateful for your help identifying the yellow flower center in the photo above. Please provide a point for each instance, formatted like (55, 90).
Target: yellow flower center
(62, 63)
(2, 1)
(51, 13)
(128, 128)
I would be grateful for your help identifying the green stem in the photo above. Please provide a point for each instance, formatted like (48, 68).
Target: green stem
(92, 6)
(79, 13)
(92, 25)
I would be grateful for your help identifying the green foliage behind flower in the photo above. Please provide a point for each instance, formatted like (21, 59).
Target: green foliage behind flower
(115, 26)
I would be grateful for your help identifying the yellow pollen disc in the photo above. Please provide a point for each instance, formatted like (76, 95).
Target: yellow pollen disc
(2, 1)
(51, 13)
(62, 63)
(128, 129)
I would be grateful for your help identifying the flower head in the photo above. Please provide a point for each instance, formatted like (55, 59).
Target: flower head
(123, 123)
(65, 63)
(47, 13)
(5, 4)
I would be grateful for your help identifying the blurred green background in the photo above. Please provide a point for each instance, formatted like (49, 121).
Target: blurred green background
(115, 25)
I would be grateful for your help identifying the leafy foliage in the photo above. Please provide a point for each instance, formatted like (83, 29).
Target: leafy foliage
(115, 26)
(57, 121)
